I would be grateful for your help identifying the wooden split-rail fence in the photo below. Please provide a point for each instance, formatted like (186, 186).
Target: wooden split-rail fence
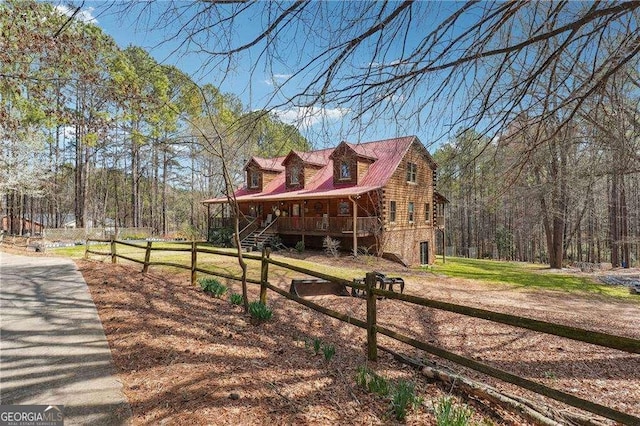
(373, 328)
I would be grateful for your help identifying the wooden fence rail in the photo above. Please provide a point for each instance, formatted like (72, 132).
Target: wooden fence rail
(596, 338)
(372, 328)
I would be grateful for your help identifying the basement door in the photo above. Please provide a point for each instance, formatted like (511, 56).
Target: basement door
(424, 253)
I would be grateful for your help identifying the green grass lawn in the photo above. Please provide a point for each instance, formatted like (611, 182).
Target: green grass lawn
(515, 274)
(217, 263)
(75, 252)
(527, 275)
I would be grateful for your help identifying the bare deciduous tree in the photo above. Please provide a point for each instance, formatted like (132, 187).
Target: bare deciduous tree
(473, 63)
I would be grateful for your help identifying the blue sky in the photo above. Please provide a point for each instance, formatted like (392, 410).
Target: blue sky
(254, 89)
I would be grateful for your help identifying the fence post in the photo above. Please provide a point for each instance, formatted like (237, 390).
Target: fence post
(114, 259)
(194, 261)
(147, 256)
(264, 273)
(372, 343)
(86, 249)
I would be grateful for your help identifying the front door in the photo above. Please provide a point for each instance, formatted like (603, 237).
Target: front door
(424, 253)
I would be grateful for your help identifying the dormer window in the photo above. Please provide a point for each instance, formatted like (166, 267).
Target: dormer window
(254, 179)
(345, 170)
(350, 163)
(294, 175)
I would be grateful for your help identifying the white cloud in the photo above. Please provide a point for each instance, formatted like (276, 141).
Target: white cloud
(391, 97)
(310, 116)
(394, 63)
(85, 15)
(275, 79)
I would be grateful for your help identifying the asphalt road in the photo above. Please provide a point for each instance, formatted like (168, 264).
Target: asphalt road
(53, 350)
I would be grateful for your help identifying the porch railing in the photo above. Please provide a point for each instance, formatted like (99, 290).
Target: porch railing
(329, 225)
(252, 225)
(221, 222)
(228, 222)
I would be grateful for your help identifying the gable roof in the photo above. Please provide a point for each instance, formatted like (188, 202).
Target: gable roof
(359, 150)
(312, 158)
(387, 154)
(269, 164)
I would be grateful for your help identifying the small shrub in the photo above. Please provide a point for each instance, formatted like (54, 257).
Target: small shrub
(300, 246)
(331, 246)
(221, 237)
(190, 232)
(329, 351)
(361, 377)
(403, 398)
(259, 311)
(236, 299)
(378, 385)
(276, 242)
(213, 286)
(448, 413)
(317, 343)
(204, 283)
(372, 382)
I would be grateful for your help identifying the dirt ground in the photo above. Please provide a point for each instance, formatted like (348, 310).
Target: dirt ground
(187, 358)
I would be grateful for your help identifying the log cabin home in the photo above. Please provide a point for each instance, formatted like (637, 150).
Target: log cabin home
(374, 197)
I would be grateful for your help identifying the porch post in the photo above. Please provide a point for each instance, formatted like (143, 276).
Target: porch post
(208, 220)
(328, 216)
(303, 206)
(355, 227)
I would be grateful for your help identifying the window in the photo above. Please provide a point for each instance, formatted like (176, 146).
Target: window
(254, 179)
(392, 211)
(427, 216)
(412, 172)
(343, 208)
(345, 170)
(294, 175)
(410, 210)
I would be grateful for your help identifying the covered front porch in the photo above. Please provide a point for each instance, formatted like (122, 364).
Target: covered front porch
(347, 219)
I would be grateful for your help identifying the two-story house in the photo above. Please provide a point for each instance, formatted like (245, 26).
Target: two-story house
(375, 196)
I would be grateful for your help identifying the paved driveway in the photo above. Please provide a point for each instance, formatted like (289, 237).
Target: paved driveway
(52, 345)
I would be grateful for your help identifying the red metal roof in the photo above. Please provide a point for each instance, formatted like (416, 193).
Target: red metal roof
(387, 153)
(314, 158)
(272, 164)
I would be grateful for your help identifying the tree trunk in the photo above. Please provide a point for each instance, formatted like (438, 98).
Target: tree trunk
(135, 214)
(165, 169)
(624, 225)
(154, 190)
(613, 221)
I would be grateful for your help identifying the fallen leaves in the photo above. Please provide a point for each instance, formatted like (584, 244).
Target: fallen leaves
(187, 358)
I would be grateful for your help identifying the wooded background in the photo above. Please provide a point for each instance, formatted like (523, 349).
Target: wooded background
(100, 135)
(103, 136)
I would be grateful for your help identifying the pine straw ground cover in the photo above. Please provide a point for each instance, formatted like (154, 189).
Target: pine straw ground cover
(187, 358)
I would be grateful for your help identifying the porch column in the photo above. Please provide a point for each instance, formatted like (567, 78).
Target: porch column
(328, 216)
(303, 207)
(208, 220)
(355, 227)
